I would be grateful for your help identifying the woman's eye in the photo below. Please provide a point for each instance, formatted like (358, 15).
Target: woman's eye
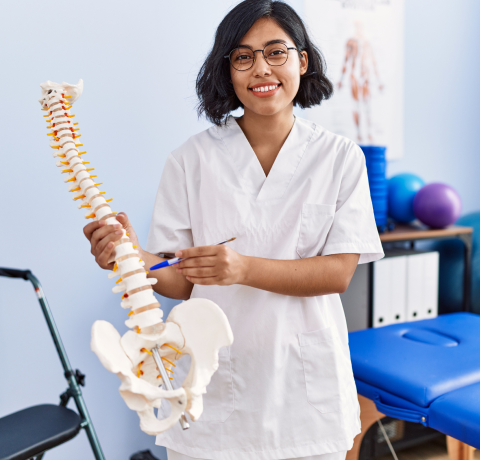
(277, 52)
(243, 57)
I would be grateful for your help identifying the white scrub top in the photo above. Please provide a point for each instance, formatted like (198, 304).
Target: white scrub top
(285, 388)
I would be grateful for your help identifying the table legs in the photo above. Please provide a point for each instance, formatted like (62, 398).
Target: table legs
(369, 415)
(458, 450)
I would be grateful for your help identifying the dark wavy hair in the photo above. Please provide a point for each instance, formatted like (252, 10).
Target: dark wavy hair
(215, 91)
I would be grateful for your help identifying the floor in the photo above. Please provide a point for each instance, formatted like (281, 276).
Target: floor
(434, 450)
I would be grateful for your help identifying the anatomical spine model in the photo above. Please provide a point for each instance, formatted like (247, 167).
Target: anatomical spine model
(197, 327)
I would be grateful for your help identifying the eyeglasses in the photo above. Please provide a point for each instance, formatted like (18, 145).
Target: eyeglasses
(243, 57)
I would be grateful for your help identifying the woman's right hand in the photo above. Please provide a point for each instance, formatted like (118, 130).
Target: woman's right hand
(103, 237)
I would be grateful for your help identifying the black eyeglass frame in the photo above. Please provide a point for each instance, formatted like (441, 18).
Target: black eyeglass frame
(263, 54)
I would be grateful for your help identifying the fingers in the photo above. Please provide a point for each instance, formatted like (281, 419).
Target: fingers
(103, 237)
(197, 262)
(198, 251)
(103, 258)
(102, 232)
(103, 243)
(201, 272)
(91, 227)
(207, 265)
(123, 219)
(204, 281)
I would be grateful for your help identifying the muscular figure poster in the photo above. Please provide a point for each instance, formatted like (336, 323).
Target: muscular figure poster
(362, 41)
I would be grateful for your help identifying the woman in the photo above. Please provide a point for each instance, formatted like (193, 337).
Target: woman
(296, 198)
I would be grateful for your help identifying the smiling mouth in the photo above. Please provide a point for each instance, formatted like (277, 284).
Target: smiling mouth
(265, 89)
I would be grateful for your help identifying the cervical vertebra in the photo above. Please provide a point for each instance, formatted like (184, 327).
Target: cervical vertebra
(197, 327)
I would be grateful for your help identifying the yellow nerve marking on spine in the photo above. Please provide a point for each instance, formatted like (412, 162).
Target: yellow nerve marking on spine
(168, 361)
(173, 348)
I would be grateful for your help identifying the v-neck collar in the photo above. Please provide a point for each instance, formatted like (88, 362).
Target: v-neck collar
(250, 170)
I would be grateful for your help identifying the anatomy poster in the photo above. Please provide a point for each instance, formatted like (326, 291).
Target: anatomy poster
(362, 42)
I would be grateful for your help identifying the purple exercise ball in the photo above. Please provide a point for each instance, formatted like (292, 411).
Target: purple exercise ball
(437, 205)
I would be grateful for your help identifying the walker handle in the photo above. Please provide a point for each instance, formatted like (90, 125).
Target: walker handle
(14, 273)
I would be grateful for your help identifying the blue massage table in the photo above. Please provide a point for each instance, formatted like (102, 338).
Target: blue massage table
(425, 371)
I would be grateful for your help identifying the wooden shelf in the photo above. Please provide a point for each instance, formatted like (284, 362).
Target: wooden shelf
(417, 232)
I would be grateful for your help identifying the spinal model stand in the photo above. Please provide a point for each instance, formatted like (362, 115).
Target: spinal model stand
(144, 357)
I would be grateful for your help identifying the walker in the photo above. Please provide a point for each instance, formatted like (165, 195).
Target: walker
(29, 433)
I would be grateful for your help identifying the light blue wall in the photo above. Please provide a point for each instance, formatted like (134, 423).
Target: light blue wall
(137, 106)
(442, 96)
(139, 61)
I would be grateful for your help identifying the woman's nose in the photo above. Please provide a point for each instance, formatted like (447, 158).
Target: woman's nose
(260, 66)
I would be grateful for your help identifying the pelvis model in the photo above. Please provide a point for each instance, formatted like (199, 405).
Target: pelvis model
(144, 357)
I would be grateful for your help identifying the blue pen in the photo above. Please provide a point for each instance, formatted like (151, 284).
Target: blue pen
(176, 260)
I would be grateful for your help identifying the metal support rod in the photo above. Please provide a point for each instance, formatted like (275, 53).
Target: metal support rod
(466, 238)
(167, 384)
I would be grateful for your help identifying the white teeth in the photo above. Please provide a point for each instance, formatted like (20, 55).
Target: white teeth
(263, 89)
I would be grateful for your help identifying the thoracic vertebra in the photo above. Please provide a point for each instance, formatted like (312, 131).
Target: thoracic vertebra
(197, 327)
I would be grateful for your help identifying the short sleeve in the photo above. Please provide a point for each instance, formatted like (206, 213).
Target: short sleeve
(354, 229)
(170, 229)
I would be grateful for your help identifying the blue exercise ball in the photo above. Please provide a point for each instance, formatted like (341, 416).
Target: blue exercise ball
(402, 189)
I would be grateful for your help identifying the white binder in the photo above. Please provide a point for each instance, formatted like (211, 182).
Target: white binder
(405, 288)
(389, 290)
(422, 286)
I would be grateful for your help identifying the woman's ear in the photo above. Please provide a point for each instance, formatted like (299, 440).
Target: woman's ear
(303, 62)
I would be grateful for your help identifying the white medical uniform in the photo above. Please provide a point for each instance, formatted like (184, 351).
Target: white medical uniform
(285, 388)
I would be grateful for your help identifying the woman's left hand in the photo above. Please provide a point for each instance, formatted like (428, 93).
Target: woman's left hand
(209, 265)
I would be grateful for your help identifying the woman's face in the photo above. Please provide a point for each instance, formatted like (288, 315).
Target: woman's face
(286, 77)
